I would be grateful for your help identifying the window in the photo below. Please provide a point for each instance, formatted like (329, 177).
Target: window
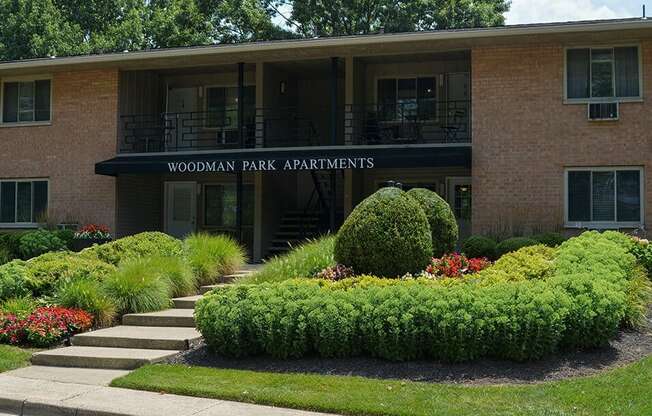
(23, 202)
(604, 196)
(220, 205)
(596, 73)
(26, 101)
(407, 98)
(222, 106)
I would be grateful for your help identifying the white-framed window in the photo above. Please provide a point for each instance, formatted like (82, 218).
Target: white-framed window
(604, 197)
(601, 73)
(220, 205)
(410, 99)
(23, 202)
(26, 101)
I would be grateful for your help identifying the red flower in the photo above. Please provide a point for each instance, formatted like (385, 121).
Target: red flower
(456, 265)
(45, 326)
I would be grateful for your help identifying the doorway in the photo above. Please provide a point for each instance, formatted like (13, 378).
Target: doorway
(459, 197)
(180, 208)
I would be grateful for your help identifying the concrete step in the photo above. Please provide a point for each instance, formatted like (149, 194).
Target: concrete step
(100, 357)
(168, 317)
(205, 289)
(186, 303)
(90, 376)
(140, 337)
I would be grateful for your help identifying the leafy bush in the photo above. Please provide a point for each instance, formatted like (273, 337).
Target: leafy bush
(443, 225)
(532, 262)
(45, 327)
(410, 319)
(549, 239)
(479, 246)
(305, 260)
(134, 288)
(35, 243)
(20, 307)
(212, 256)
(11, 242)
(5, 255)
(66, 236)
(14, 280)
(387, 234)
(513, 244)
(48, 270)
(86, 294)
(135, 246)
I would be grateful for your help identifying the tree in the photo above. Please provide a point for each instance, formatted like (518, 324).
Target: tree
(172, 23)
(356, 17)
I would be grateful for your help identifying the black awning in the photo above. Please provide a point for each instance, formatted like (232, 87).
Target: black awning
(289, 159)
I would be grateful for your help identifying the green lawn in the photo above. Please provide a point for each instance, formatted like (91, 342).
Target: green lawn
(625, 391)
(13, 357)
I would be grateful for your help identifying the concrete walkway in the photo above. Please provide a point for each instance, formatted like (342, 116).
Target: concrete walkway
(74, 380)
(21, 396)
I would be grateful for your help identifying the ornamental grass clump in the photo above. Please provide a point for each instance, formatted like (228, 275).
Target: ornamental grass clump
(86, 294)
(176, 271)
(304, 261)
(134, 288)
(212, 256)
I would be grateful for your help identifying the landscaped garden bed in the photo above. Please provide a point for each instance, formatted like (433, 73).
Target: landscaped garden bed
(46, 299)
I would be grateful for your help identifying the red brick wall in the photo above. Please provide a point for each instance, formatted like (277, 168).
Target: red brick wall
(524, 136)
(83, 131)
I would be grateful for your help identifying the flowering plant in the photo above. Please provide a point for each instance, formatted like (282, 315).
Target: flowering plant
(93, 232)
(455, 265)
(337, 272)
(45, 326)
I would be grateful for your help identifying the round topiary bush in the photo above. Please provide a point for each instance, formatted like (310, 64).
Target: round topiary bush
(550, 239)
(443, 226)
(513, 244)
(387, 235)
(479, 246)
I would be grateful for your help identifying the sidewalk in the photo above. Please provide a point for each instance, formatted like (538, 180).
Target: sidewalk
(20, 396)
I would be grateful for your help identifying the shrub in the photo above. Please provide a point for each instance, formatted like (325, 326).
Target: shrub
(532, 262)
(35, 243)
(66, 236)
(88, 295)
(212, 256)
(387, 234)
(513, 244)
(139, 245)
(306, 260)
(410, 320)
(177, 272)
(48, 270)
(134, 288)
(479, 246)
(11, 242)
(549, 239)
(5, 255)
(44, 327)
(443, 225)
(20, 307)
(14, 280)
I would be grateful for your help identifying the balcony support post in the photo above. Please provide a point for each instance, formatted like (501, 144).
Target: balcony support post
(241, 138)
(333, 182)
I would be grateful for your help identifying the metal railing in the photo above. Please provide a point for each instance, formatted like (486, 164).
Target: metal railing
(411, 122)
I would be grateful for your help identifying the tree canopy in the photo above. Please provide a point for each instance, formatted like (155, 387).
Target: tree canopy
(39, 28)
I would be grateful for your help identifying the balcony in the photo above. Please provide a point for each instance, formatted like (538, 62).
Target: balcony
(426, 122)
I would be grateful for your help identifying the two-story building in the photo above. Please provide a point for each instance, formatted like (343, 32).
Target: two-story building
(521, 128)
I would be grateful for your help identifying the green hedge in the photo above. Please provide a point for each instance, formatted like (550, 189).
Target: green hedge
(564, 302)
(387, 234)
(443, 225)
(513, 244)
(479, 246)
(139, 245)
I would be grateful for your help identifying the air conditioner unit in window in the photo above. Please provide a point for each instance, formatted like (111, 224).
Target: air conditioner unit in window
(606, 111)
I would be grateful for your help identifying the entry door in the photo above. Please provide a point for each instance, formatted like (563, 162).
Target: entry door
(182, 103)
(459, 198)
(180, 208)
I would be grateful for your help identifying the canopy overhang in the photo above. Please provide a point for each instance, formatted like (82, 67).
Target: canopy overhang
(289, 159)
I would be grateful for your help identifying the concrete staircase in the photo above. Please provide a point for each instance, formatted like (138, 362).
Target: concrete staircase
(143, 338)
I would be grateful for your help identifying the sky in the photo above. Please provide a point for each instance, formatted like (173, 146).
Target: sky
(539, 11)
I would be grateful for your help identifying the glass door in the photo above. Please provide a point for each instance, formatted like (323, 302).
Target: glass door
(460, 199)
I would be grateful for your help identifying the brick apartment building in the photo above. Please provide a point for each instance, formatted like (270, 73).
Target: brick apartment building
(522, 128)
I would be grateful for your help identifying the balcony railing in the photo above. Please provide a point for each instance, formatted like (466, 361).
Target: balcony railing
(411, 122)
(404, 123)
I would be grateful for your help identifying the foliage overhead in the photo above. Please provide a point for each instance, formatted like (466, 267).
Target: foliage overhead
(41, 28)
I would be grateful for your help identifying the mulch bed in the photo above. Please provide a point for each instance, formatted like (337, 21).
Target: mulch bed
(628, 347)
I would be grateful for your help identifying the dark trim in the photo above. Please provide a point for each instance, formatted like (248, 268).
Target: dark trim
(385, 157)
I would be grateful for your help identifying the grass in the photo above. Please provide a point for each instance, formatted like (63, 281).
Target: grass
(305, 260)
(12, 358)
(620, 392)
(211, 256)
